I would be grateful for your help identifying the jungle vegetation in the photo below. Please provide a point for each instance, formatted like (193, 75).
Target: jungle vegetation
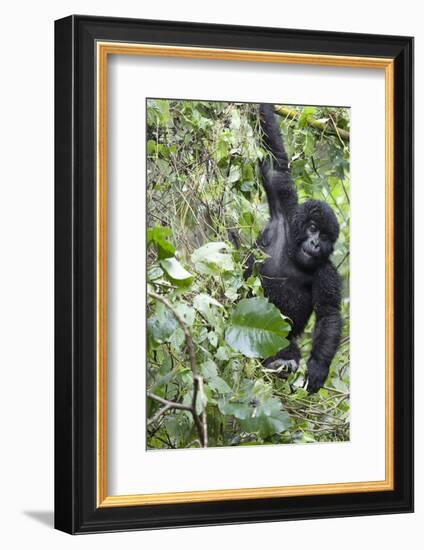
(208, 328)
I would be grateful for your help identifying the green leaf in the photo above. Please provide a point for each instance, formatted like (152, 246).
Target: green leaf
(176, 272)
(222, 354)
(177, 426)
(257, 328)
(162, 106)
(234, 174)
(209, 371)
(220, 385)
(339, 385)
(267, 419)
(309, 145)
(237, 408)
(247, 218)
(231, 294)
(154, 273)
(212, 258)
(157, 236)
(157, 232)
(203, 302)
(162, 325)
(213, 339)
(247, 186)
(222, 147)
(186, 312)
(306, 112)
(165, 249)
(201, 400)
(151, 147)
(235, 120)
(255, 284)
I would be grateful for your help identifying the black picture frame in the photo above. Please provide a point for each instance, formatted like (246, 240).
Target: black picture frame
(76, 509)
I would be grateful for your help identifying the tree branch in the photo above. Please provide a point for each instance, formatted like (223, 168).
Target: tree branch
(167, 406)
(200, 422)
(317, 124)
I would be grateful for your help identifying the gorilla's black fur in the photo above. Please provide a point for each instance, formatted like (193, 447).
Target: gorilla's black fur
(297, 276)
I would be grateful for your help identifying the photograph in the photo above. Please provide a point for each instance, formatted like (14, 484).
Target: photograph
(248, 296)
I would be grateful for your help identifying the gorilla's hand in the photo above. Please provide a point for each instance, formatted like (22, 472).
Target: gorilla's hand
(317, 375)
(281, 367)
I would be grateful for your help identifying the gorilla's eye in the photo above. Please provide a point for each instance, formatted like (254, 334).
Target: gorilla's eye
(313, 228)
(266, 239)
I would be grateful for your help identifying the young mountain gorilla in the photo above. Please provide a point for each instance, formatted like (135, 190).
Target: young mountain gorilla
(297, 275)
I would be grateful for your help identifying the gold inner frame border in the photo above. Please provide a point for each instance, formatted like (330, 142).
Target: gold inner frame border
(103, 50)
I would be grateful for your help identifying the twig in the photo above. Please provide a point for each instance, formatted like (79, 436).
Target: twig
(341, 261)
(167, 403)
(336, 391)
(199, 423)
(338, 130)
(167, 406)
(345, 191)
(328, 189)
(199, 384)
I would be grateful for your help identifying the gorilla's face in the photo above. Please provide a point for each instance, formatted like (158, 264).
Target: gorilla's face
(316, 247)
(314, 232)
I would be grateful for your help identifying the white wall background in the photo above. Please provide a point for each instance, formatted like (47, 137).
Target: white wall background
(26, 277)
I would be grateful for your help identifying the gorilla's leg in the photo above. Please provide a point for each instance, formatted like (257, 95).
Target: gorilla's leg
(285, 362)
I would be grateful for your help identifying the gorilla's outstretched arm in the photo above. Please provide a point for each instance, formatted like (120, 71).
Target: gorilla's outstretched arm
(326, 297)
(272, 136)
(281, 193)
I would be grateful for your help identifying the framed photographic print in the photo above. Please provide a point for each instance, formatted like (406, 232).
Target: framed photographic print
(234, 268)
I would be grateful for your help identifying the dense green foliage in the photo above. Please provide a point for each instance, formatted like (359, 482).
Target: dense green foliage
(207, 327)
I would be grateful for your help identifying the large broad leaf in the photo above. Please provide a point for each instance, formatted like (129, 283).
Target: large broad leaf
(255, 409)
(212, 258)
(257, 328)
(267, 419)
(239, 409)
(176, 272)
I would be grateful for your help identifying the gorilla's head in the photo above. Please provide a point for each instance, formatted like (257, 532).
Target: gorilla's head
(314, 230)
